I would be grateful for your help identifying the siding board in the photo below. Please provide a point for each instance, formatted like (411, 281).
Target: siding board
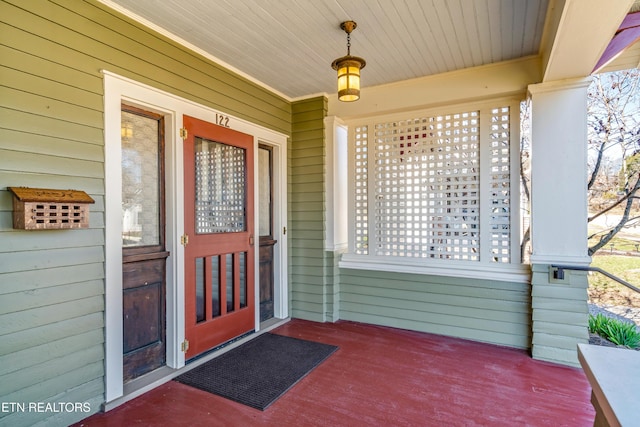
(46, 145)
(41, 125)
(37, 163)
(515, 340)
(487, 305)
(307, 210)
(44, 259)
(49, 99)
(36, 279)
(15, 322)
(42, 353)
(483, 310)
(27, 83)
(50, 332)
(93, 186)
(45, 296)
(54, 239)
(498, 321)
(88, 366)
(59, 74)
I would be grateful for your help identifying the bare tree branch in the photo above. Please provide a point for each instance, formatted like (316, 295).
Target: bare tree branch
(623, 220)
(618, 202)
(596, 168)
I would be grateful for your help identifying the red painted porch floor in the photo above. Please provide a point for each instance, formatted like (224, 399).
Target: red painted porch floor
(386, 377)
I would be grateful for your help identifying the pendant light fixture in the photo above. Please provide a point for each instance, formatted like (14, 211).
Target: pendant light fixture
(348, 68)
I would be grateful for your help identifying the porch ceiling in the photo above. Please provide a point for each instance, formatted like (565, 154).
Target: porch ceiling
(288, 46)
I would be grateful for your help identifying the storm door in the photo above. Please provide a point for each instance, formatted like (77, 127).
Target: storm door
(267, 241)
(219, 235)
(143, 242)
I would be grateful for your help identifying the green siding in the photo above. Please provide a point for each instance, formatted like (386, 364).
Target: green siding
(332, 274)
(481, 310)
(52, 136)
(560, 315)
(308, 279)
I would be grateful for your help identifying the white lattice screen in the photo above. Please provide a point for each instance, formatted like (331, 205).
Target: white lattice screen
(361, 178)
(426, 193)
(424, 180)
(500, 185)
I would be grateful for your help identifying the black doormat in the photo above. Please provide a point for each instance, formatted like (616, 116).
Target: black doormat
(259, 371)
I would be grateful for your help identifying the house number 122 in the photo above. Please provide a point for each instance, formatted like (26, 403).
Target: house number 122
(222, 120)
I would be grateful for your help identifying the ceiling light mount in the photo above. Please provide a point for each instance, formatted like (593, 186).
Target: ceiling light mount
(348, 68)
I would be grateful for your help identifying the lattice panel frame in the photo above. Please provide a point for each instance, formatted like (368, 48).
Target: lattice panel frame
(427, 187)
(361, 179)
(500, 184)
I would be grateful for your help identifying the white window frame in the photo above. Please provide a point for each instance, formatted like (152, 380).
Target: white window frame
(514, 271)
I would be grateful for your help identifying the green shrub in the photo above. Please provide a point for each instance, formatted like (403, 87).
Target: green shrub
(616, 331)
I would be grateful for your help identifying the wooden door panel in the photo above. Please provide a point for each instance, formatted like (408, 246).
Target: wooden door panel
(219, 220)
(135, 274)
(143, 317)
(266, 279)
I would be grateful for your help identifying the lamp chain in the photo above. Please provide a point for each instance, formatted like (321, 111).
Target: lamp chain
(348, 43)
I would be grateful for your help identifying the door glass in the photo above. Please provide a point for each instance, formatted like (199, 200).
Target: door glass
(140, 183)
(264, 190)
(220, 187)
(243, 280)
(230, 293)
(200, 290)
(215, 286)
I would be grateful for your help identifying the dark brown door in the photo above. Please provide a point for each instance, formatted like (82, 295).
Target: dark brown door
(143, 242)
(219, 223)
(267, 242)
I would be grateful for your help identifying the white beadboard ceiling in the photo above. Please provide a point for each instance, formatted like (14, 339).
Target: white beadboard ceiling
(288, 45)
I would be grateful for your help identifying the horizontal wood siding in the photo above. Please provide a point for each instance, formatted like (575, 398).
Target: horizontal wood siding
(52, 136)
(307, 205)
(481, 310)
(332, 281)
(560, 315)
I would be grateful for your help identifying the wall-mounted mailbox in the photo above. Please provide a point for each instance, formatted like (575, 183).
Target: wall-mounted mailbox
(46, 209)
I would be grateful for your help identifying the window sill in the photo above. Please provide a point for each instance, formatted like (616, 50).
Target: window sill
(465, 269)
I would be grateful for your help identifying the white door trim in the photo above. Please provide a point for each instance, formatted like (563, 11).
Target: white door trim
(118, 89)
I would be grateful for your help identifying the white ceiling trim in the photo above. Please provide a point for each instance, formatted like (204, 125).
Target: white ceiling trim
(194, 48)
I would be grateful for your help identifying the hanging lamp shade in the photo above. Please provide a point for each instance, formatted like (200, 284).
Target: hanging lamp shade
(348, 68)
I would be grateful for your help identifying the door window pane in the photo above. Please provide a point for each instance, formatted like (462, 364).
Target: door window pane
(264, 190)
(215, 286)
(200, 290)
(230, 289)
(140, 182)
(220, 187)
(243, 279)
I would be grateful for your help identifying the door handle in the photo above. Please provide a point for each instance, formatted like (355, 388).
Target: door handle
(251, 240)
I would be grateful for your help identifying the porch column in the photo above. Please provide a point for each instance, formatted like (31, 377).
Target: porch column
(559, 218)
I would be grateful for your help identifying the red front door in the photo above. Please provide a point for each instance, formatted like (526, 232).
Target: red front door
(219, 223)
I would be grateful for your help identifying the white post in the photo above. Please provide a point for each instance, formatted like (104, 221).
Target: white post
(559, 172)
(559, 218)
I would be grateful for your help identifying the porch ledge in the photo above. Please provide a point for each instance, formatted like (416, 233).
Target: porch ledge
(613, 374)
(520, 273)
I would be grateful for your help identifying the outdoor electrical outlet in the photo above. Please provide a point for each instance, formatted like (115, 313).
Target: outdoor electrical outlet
(558, 275)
